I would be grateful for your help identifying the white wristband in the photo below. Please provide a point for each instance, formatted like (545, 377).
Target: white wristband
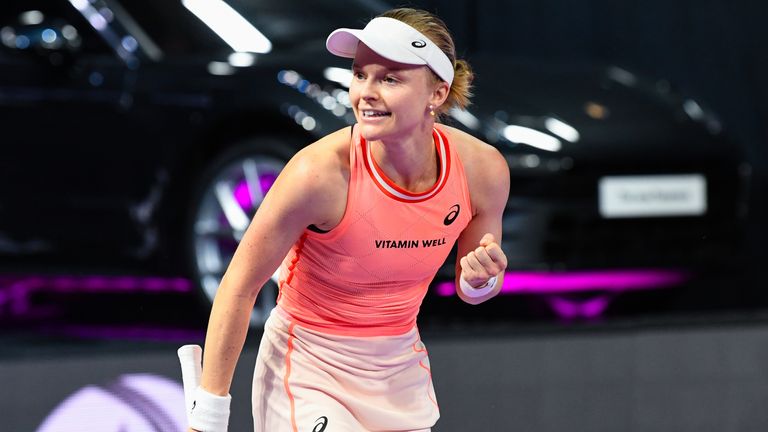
(210, 412)
(471, 292)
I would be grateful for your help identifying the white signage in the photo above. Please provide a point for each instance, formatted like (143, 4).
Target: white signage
(652, 196)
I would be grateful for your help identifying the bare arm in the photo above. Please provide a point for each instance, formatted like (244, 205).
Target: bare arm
(479, 255)
(302, 195)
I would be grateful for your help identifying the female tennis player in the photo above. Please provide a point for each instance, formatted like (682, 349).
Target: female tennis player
(359, 223)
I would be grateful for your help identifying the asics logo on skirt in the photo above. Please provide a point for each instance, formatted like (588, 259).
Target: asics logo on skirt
(322, 422)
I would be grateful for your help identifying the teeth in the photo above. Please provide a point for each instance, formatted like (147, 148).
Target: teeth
(369, 113)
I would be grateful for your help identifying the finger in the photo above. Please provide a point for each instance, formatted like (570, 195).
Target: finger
(470, 266)
(487, 239)
(465, 269)
(496, 254)
(479, 271)
(485, 259)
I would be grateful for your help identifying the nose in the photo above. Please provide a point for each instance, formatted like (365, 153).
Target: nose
(368, 90)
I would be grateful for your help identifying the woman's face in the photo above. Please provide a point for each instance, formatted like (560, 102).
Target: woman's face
(390, 99)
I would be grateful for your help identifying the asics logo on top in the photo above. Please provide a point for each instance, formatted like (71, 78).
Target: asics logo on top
(418, 44)
(452, 215)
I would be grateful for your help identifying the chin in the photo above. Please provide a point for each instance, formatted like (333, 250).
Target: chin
(371, 132)
(378, 132)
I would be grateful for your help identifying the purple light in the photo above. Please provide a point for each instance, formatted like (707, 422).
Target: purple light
(131, 403)
(62, 283)
(125, 283)
(130, 333)
(15, 292)
(598, 280)
(243, 195)
(553, 285)
(96, 283)
(266, 181)
(571, 309)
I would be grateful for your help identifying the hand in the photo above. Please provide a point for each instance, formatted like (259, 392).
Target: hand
(483, 263)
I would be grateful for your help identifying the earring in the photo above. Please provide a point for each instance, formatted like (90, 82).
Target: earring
(432, 110)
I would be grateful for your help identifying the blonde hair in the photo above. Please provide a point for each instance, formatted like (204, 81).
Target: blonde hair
(435, 29)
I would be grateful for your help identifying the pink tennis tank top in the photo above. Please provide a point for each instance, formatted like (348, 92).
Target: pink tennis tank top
(368, 275)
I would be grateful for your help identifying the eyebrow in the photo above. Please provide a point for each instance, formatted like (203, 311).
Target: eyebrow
(390, 69)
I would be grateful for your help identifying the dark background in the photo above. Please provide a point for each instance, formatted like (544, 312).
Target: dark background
(690, 373)
(713, 51)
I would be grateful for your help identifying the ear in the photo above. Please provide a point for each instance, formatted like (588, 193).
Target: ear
(440, 93)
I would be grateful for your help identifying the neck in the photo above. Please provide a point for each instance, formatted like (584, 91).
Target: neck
(409, 161)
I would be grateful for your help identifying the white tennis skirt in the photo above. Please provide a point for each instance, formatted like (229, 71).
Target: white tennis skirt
(308, 381)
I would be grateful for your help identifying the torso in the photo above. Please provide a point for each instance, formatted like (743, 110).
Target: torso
(331, 156)
(367, 275)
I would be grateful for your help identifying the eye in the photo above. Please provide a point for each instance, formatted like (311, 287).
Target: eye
(358, 75)
(390, 80)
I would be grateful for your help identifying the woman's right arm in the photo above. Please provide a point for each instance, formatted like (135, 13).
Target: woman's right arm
(302, 195)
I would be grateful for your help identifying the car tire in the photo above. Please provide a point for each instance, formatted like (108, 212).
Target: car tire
(227, 196)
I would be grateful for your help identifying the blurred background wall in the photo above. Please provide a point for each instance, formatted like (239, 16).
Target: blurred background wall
(691, 373)
(714, 51)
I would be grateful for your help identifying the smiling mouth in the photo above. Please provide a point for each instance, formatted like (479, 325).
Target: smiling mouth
(374, 114)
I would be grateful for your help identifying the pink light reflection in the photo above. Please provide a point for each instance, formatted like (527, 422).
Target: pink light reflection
(243, 195)
(571, 309)
(266, 181)
(136, 332)
(15, 293)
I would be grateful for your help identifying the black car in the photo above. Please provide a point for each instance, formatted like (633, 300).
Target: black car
(139, 137)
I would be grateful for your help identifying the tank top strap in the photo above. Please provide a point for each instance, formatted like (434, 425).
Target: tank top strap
(353, 144)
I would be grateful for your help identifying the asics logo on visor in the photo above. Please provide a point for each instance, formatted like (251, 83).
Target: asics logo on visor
(418, 44)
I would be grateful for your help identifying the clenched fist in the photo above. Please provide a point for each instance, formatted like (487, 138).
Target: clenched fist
(483, 263)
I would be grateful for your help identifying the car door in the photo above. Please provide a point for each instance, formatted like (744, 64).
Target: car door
(73, 161)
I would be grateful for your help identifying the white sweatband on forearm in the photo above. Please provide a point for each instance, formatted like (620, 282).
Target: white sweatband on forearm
(210, 412)
(471, 292)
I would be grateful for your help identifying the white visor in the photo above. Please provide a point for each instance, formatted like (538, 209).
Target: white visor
(393, 40)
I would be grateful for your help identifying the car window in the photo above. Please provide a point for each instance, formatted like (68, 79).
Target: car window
(46, 25)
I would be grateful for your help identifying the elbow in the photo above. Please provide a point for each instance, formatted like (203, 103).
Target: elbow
(240, 291)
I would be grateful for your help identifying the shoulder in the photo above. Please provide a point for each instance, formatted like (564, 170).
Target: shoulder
(323, 161)
(477, 156)
(313, 185)
(330, 151)
(485, 167)
(315, 171)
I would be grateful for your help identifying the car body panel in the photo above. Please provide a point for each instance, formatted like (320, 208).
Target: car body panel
(103, 145)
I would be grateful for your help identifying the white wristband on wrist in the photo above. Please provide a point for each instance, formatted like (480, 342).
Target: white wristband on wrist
(209, 412)
(471, 292)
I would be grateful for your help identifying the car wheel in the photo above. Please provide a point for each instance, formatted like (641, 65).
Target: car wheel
(229, 193)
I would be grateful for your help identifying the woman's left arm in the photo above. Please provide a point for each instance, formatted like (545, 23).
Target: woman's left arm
(480, 257)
